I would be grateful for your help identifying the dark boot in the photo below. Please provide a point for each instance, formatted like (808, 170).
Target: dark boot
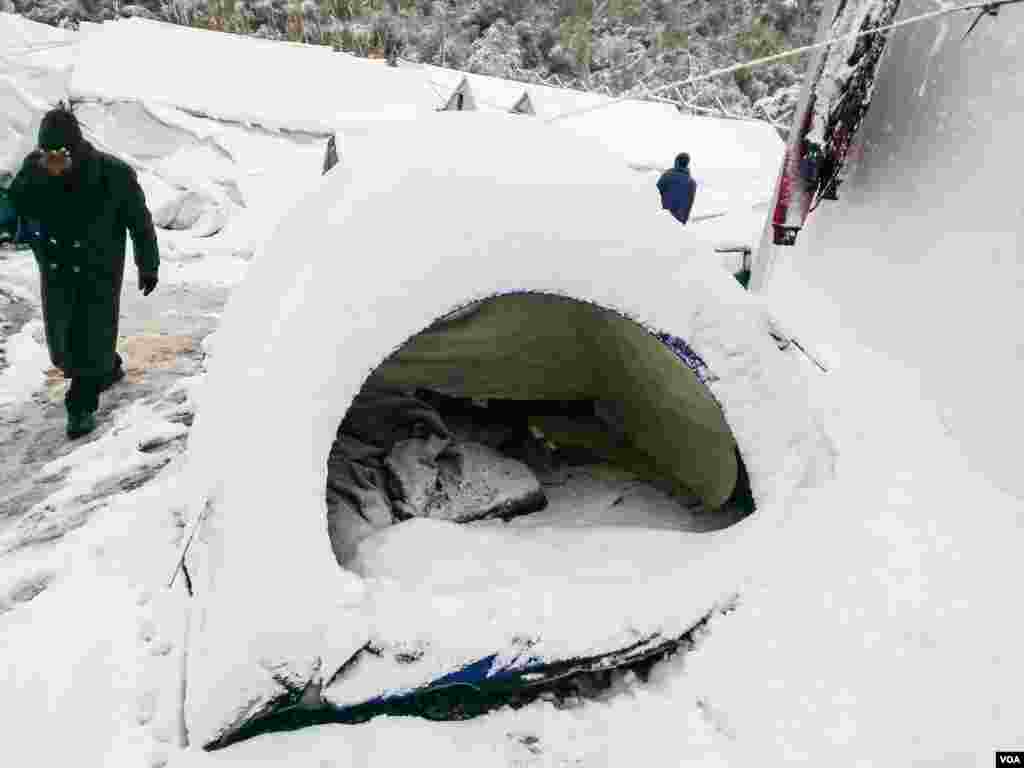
(82, 400)
(80, 423)
(114, 376)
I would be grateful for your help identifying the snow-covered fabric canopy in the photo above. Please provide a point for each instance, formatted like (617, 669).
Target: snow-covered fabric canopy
(393, 239)
(228, 76)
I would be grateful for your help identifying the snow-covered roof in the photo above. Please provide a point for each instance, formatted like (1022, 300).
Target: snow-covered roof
(245, 79)
(393, 239)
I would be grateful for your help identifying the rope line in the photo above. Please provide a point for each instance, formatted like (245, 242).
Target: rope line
(976, 6)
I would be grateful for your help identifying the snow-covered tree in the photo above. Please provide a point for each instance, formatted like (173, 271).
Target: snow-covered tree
(497, 53)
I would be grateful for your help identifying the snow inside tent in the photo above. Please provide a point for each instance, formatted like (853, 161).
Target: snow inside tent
(273, 613)
(921, 256)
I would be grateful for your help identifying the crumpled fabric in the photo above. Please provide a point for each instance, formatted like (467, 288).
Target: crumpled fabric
(394, 458)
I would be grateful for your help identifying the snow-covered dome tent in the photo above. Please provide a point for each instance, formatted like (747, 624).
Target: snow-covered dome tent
(423, 219)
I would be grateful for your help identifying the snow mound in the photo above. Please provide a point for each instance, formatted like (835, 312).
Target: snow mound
(391, 240)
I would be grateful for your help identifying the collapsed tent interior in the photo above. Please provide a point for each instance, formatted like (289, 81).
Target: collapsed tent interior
(532, 410)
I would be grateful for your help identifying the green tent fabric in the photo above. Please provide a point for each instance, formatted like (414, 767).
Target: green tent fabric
(543, 347)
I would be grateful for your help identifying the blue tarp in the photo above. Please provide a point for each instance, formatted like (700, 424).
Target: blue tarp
(8, 218)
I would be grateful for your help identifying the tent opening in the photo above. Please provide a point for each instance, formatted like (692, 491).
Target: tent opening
(532, 409)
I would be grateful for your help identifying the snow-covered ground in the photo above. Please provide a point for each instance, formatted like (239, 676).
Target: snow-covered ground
(876, 622)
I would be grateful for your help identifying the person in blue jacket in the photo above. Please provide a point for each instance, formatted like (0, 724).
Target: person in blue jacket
(678, 189)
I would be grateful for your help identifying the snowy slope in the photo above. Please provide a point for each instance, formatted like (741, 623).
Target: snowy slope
(921, 257)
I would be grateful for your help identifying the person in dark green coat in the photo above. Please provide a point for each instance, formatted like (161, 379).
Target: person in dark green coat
(85, 201)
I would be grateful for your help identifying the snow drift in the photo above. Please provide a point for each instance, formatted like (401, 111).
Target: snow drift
(391, 240)
(921, 256)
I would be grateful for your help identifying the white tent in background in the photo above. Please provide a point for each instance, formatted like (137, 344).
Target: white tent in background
(197, 173)
(242, 79)
(275, 616)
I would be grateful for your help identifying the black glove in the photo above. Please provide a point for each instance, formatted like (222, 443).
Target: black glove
(147, 283)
